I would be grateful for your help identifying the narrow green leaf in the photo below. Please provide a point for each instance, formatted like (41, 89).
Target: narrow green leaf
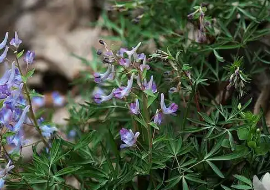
(243, 187)
(219, 58)
(232, 156)
(20, 54)
(194, 179)
(151, 99)
(84, 141)
(67, 170)
(185, 185)
(154, 125)
(215, 148)
(247, 14)
(54, 150)
(149, 93)
(207, 118)
(243, 179)
(113, 146)
(215, 169)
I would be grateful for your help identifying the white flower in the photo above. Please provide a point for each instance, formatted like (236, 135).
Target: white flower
(264, 184)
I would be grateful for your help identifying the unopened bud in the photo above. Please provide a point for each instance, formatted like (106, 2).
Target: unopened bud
(101, 42)
(173, 90)
(106, 60)
(167, 73)
(99, 52)
(237, 71)
(190, 16)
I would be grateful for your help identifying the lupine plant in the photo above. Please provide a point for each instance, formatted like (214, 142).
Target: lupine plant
(176, 117)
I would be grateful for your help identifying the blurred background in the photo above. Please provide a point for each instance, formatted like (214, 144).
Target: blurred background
(58, 31)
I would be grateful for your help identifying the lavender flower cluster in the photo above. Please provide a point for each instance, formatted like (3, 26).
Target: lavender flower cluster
(136, 64)
(14, 107)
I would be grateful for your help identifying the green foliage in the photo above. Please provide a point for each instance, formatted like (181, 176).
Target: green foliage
(214, 142)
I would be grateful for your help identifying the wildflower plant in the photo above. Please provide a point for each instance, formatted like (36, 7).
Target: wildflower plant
(177, 117)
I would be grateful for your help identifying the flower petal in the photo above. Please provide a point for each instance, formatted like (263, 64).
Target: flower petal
(4, 55)
(4, 42)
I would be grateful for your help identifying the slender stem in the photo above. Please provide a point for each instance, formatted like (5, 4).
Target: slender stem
(147, 117)
(187, 110)
(31, 107)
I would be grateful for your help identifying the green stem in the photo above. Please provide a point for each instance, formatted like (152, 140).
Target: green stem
(149, 129)
(31, 107)
(182, 127)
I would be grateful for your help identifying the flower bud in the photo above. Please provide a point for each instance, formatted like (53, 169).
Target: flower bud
(101, 42)
(99, 52)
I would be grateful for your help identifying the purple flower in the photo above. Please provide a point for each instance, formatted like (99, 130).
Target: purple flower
(99, 98)
(2, 183)
(173, 90)
(171, 109)
(112, 74)
(151, 85)
(132, 53)
(16, 41)
(12, 75)
(58, 100)
(158, 117)
(140, 56)
(38, 101)
(72, 133)
(124, 62)
(29, 57)
(5, 116)
(144, 65)
(17, 141)
(12, 100)
(22, 119)
(4, 172)
(4, 42)
(47, 130)
(102, 77)
(121, 52)
(4, 55)
(4, 91)
(128, 137)
(135, 107)
(124, 91)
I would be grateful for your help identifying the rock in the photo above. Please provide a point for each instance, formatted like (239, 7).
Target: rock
(58, 50)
